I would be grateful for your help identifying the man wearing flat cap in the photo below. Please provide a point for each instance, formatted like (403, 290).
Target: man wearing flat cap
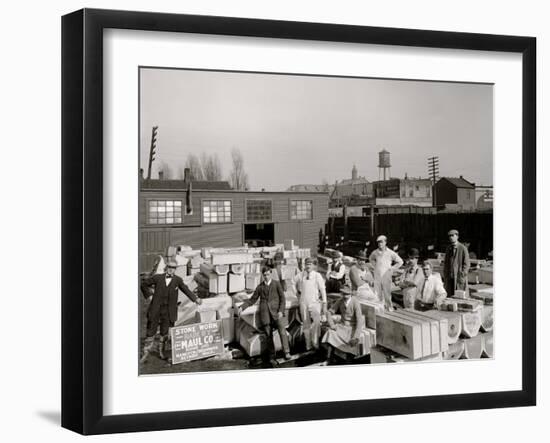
(312, 298)
(163, 310)
(456, 266)
(385, 262)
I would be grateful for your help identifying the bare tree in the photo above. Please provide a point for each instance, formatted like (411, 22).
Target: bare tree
(238, 177)
(192, 162)
(325, 185)
(211, 167)
(166, 170)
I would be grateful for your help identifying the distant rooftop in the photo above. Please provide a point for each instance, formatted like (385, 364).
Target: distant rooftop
(459, 182)
(182, 184)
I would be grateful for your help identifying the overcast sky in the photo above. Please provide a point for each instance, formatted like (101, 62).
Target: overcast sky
(302, 129)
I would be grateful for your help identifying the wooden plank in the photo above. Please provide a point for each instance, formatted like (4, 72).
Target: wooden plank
(487, 350)
(442, 327)
(487, 318)
(455, 351)
(435, 330)
(454, 320)
(401, 336)
(425, 328)
(472, 347)
(471, 322)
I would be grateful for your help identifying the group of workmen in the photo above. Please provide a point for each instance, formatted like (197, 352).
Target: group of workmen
(370, 279)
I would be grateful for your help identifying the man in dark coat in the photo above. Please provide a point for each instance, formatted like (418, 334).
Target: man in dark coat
(456, 266)
(163, 310)
(272, 309)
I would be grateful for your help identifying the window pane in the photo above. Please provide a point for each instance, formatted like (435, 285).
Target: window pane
(177, 203)
(170, 220)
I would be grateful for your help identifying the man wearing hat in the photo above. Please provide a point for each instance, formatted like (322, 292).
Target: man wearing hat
(361, 278)
(336, 276)
(412, 279)
(163, 310)
(456, 266)
(312, 297)
(272, 311)
(385, 261)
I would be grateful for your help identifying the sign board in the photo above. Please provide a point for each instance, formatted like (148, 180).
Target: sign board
(196, 341)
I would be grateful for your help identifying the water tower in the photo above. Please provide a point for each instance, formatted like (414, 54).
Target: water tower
(384, 164)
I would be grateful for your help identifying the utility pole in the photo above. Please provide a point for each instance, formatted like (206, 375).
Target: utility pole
(433, 172)
(152, 152)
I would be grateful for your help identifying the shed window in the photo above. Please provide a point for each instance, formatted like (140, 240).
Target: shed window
(258, 210)
(164, 212)
(216, 211)
(301, 210)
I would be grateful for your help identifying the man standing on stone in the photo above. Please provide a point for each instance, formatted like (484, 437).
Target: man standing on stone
(385, 262)
(272, 311)
(456, 266)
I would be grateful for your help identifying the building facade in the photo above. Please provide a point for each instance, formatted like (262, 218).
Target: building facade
(455, 194)
(225, 218)
(403, 192)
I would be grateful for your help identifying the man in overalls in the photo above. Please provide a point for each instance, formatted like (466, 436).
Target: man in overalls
(385, 262)
(312, 297)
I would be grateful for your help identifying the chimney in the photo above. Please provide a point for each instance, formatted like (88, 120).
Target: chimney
(161, 175)
(187, 175)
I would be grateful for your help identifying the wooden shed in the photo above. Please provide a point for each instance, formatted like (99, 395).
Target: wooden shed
(175, 212)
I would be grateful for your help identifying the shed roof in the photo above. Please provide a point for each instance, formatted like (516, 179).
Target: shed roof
(459, 182)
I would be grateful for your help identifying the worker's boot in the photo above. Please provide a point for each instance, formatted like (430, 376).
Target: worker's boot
(162, 347)
(147, 347)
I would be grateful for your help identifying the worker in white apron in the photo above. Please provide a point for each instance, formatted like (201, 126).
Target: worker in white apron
(312, 299)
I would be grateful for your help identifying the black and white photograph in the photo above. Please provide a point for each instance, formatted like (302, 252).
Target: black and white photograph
(289, 221)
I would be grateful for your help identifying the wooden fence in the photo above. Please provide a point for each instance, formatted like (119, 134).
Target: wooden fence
(412, 230)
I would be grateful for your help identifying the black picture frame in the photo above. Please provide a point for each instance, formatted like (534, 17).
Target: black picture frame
(82, 218)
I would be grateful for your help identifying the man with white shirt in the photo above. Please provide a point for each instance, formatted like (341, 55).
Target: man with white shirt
(163, 310)
(385, 262)
(431, 292)
(312, 297)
